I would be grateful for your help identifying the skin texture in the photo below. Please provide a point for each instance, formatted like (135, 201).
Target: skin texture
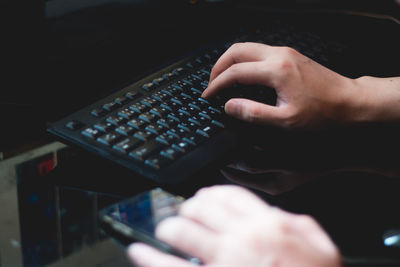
(247, 231)
(310, 96)
(242, 233)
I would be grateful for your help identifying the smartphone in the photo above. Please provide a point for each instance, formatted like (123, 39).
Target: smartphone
(136, 218)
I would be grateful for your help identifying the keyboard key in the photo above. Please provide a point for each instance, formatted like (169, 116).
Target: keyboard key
(121, 100)
(137, 124)
(109, 138)
(116, 120)
(198, 120)
(184, 127)
(186, 95)
(169, 75)
(155, 128)
(110, 106)
(192, 94)
(179, 71)
(148, 86)
(144, 135)
(177, 101)
(205, 71)
(206, 131)
(181, 85)
(194, 105)
(138, 108)
(203, 100)
(178, 133)
(98, 112)
(171, 153)
(105, 127)
(159, 111)
(157, 162)
(91, 133)
(192, 80)
(187, 126)
(171, 91)
(127, 113)
(184, 100)
(182, 147)
(205, 114)
(178, 116)
(132, 95)
(218, 123)
(194, 139)
(204, 85)
(167, 123)
(160, 96)
(149, 102)
(125, 130)
(148, 117)
(209, 114)
(216, 110)
(144, 151)
(171, 106)
(127, 145)
(189, 111)
(74, 125)
(166, 139)
(159, 81)
(196, 90)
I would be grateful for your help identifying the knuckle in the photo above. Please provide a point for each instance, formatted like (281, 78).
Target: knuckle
(288, 52)
(285, 62)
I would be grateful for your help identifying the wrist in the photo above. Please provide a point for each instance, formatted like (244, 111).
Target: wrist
(375, 100)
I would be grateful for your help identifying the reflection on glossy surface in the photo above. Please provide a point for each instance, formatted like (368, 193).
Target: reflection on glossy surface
(51, 215)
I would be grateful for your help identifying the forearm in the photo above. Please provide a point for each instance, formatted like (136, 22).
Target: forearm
(374, 100)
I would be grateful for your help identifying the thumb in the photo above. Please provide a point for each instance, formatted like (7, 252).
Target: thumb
(254, 112)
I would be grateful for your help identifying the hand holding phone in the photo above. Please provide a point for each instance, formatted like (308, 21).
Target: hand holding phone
(136, 218)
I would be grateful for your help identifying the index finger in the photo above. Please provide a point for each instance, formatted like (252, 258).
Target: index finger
(238, 53)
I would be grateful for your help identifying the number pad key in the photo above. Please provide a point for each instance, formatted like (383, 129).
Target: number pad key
(127, 144)
(91, 133)
(110, 138)
(144, 151)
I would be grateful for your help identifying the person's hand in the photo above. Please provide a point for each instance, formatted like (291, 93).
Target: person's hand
(308, 94)
(227, 226)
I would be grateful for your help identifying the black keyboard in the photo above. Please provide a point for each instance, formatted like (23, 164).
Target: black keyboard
(160, 127)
